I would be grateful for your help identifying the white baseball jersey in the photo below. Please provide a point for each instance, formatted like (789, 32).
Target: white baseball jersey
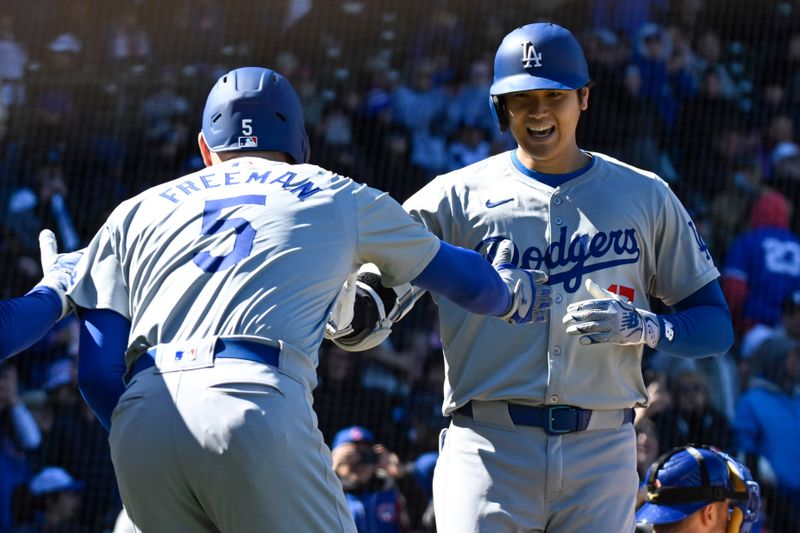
(246, 247)
(618, 225)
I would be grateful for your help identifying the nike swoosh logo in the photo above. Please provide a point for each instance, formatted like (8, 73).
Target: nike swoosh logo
(490, 204)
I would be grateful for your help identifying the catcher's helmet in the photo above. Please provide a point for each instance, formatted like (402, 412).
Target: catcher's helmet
(536, 56)
(688, 478)
(255, 108)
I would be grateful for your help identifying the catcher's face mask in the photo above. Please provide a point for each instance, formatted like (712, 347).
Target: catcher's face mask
(673, 492)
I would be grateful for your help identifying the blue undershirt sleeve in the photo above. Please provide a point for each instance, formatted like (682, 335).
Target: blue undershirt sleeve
(101, 360)
(701, 325)
(466, 278)
(26, 319)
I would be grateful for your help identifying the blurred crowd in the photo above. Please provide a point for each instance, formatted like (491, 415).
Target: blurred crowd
(706, 94)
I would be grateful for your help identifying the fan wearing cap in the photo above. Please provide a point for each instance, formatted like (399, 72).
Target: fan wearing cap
(56, 497)
(367, 471)
(696, 489)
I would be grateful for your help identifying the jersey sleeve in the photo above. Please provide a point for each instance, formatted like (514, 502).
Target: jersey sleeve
(390, 238)
(100, 282)
(683, 260)
(433, 207)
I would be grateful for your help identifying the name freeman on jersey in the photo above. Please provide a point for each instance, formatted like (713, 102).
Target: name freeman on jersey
(573, 254)
(302, 188)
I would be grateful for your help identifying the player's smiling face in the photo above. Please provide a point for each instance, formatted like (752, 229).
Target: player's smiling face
(543, 122)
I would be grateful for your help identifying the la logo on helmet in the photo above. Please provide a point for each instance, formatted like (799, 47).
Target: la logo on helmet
(530, 58)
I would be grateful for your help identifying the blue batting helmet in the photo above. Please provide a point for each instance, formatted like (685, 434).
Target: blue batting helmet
(253, 108)
(688, 478)
(533, 57)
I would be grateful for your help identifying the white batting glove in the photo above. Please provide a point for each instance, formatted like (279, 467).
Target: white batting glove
(57, 268)
(530, 297)
(608, 319)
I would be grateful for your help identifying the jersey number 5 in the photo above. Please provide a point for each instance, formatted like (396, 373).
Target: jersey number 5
(214, 223)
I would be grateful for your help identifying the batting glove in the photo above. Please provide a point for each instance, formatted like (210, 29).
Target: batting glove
(608, 319)
(57, 268)
(530, 297)
(365, 310)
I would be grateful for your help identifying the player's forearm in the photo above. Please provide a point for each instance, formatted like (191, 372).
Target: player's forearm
(26, 319)
(701, 326)
(26, 431)
(466, 278)
(101, 364)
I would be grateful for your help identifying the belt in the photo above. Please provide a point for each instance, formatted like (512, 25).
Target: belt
(553, 419)
(223, 349)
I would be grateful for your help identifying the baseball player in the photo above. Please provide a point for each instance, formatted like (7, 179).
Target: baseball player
(542, 437)
(216, 287)
(26, 319)
(696, 489)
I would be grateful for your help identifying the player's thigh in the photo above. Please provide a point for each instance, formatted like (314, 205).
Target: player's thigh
(147, 464)
(267, 466)
(490, 479)
(600, 482)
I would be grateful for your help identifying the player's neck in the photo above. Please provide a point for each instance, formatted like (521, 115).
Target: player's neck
(573, 161)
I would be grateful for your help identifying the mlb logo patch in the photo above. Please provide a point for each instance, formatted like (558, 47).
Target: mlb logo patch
(186, 355)
(248, 142)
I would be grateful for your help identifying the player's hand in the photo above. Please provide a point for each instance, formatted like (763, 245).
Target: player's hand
(530, 297)
(57, 267)
(608, 319)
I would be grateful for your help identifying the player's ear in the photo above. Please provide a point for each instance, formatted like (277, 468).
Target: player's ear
(583, 97)
(713, 513)
(205, 151)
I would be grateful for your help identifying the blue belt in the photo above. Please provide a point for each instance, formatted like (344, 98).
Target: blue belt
(554, 419)
(223, 349)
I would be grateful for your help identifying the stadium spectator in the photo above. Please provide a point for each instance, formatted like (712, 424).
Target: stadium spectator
(706, 61)
(647, 447)
(56, 498)
(468, 106)
(767, 425)
(368, 471)
(691, 418)
(763, 265)
(421, 106)
(618, 122)
(13, 63)
(128, 40)
(79, 444)
(789, 326)
(661, 67)
(19, 435)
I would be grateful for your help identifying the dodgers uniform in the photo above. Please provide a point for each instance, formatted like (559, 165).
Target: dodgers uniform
(248, 256)
(618, 225)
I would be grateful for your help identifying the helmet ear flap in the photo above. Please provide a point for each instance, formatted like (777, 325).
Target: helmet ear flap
(500, 113)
